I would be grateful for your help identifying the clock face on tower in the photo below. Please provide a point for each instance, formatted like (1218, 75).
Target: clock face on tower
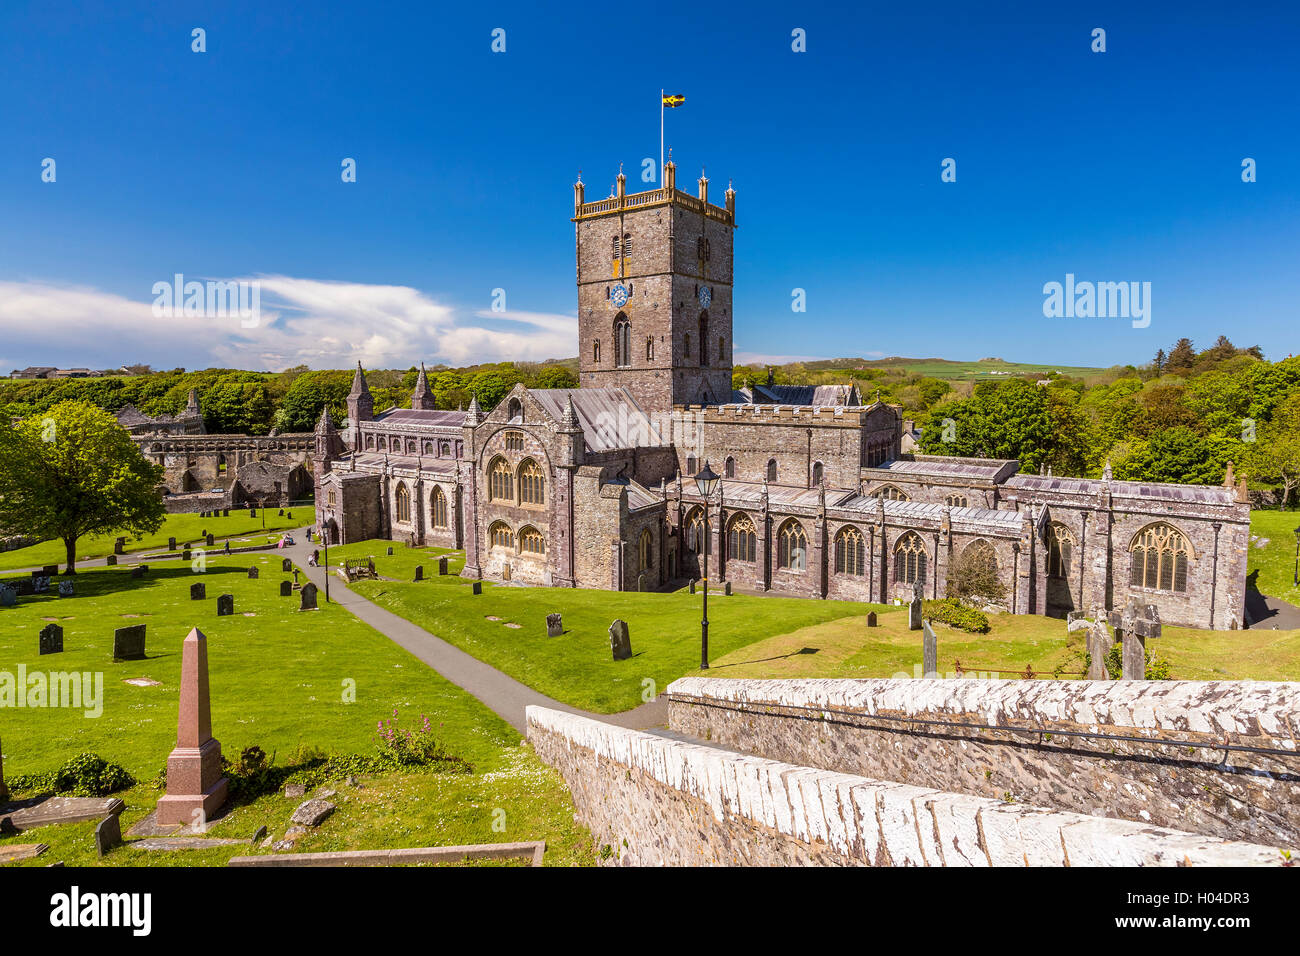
(618, 295)
(706, 296)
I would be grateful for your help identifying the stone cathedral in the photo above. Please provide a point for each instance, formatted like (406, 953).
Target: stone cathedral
(593, 487)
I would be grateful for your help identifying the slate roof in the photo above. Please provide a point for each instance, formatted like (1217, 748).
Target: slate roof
(1146, 490)
(419, 416)
(610, 417)
(986, 469)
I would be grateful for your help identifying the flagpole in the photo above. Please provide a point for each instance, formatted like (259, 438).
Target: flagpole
(661, 139)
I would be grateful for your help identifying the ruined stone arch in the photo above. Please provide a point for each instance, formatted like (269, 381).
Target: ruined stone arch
(1060, 550)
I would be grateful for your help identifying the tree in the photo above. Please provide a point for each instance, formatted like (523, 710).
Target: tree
(309, 393)
(1181, 357)
(1000, 420)
(1275, 455)
(72, 472)
(974, 575)
(556, 376)
(1181, 456)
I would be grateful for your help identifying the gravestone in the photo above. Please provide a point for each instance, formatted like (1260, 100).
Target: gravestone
(295, 576)
(286, 589)
(137, 572)
(442, 565)
(203, 533)
(108, 834)
(252, 574)
(111, 560)
(476, 587)
(308, 597)
(51, 639)
(65, 589)
(554, 625)
(871, 619)
(252, 512)
(1099, 645)
(914, 611)
(1133, 625)
(288, 514)
(144, 569)
(171, 544)
(225, 604)
(1133, 655)
(692, 585)
(40, 584)
(419, 572)
(128, 643)
(186, 554)
(390, 552)
(119, 546)
(620, 642)
(929, 651)
(286, 564)
(50, 570)
(209, 540)
(280, 513)
(8, 596)
(198, 591)
(726, 588)
(196, 788)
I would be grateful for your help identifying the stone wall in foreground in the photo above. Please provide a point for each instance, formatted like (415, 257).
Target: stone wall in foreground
(1147, 751)
(655, 800)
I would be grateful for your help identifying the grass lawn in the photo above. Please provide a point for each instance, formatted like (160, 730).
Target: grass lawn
(577, 668)
(1272, 566)
(848, 648)
(182, 527)
(278, 678)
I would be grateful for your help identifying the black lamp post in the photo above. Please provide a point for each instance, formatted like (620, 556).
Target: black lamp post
(705, 482)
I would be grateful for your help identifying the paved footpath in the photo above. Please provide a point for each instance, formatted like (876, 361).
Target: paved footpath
(498, 691)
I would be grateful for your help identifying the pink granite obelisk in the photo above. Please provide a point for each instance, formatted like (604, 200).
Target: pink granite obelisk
(194, 780)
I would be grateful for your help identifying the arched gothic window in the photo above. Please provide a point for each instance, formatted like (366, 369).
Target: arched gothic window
(622, 341)
(501, 481)
(1060, 547)
(1160, 554)
(909, 559)
(729, 468)
(531, 541)
(957, 501)
(403, 499)
(438, 508)
(532, 483)
(645, 550)
(697, 532)
(792, 547)
(771, 469)
(500, 536)
(850, 552)
(742, 542)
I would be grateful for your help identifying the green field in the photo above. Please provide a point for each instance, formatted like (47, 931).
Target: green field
(578, 668)
(278, 680)
(182, 527)
(1272, 567)
(956, 371)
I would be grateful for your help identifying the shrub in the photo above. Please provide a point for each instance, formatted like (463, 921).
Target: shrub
(1157, 668)
(952, 612)
(90, 775)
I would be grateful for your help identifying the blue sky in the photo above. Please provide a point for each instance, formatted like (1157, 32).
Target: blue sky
(1115, 166)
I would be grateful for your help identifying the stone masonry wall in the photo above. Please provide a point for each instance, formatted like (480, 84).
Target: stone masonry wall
(653, 800)
(929, 733)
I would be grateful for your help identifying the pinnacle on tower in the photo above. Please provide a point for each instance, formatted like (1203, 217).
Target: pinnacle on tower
(359, 386)
(361, 406)
(422, 396)
(475, 413)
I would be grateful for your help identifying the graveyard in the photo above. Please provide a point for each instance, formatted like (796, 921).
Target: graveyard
(239, 524)
(297, 684)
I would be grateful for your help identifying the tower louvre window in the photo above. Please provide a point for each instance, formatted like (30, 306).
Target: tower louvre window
(622, 341)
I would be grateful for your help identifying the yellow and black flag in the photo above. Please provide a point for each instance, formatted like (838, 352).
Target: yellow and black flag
(673, 100)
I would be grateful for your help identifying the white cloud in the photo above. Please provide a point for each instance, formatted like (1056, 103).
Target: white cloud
(324, 324)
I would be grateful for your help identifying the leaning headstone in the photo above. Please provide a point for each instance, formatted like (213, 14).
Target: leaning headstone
(476, 587)
(252, 574)
(198, 591)
(871, 619)
(108, 834)
(111, 560)
(442, 565)
(286, 589)
(8, 596)
(914, 611)
(51, 639)
(225, 604)
(286, 564)
(620, 643)
(66, 589)
(209, 540)
(196, 789)
(929, 651)
(128, 643)
(419, 572)
(554, 625)
(1099, 645)
(1134, 656)
(308, 594)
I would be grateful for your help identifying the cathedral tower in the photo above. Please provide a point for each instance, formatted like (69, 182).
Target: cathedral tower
(654, 292)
